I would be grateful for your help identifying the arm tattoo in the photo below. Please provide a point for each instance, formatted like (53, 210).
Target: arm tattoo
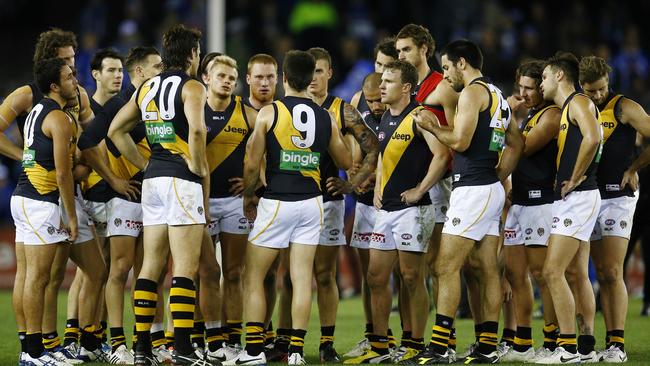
(367, 141)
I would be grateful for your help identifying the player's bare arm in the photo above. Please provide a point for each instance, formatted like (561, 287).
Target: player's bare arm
(194, 97)
(255, 150)
(546, 130)
(511, 152)
(95, 157)
(472, 100)
(376, 200)
(630, 112)
(582, 110)
(118, 132)
(17, 103)
(57, 126)
(437, 168)
(85, 112)
(356, 98)
(444, 96)
(237, 183)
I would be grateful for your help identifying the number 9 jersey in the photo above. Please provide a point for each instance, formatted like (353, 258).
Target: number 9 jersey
(298, 137)
(161, 109)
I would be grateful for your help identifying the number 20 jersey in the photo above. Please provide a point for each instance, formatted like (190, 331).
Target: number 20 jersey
(161, 110)
(295, 143)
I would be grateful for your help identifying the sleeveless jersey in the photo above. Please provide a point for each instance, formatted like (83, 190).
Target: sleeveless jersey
(533, 179)
(405, 158)
(328, 167)
(38, 178)
(477, 164)
(295, 145)
(228, 132)
(426, 87)
(568, 144)
(362, 106)
(619, 150)
(161, 106)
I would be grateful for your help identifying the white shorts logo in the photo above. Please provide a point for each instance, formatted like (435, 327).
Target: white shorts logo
(535, 194)
(612, 187)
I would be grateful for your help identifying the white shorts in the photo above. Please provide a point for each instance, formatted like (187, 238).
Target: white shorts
(124, 218)
(528, 225)
(575, 216)
(407, 230)
(615, 217)
(227, 215)
(475, 211)
(333, 222)
(279, 223)
(97, 213)
(440, 194)
(364, 223)
(37, 222)
(85, 230)
(172, 201)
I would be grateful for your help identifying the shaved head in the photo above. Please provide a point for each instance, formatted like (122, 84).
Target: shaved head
(372, 81)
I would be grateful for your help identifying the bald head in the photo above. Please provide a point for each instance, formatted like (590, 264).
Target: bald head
(372, 94)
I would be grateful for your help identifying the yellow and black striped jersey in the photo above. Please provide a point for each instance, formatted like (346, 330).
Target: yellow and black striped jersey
(228, 132)
(568, 145)
(296, 143)
(534, 177)
(405, 158)
(477, 164)
(619, 149)
(162, 112)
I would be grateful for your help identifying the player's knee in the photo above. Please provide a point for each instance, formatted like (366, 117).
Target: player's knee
(325, 278)
(538, 275)
(411, 278)
(120, 268)
(609, 275)
(376, 279)
(97, 275)
(233, 275)
(551, 274)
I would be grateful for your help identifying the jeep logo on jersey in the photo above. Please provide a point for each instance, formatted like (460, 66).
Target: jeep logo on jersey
(401, 136)
(242, 131)
(608, 124)
(160, 132)
(299, 160)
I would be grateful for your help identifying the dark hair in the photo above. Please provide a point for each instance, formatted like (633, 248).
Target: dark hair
(98, 58)
(298, 68)
(178, 43)
(532, 69)
(137, 55)
(465, 49)
(409, 74)
(593, 68)
(205, 61)
(567, 62)
(387, 47)
(49, 42)
(420, 35)
(48, 72)
(260, 58)
(320, 53)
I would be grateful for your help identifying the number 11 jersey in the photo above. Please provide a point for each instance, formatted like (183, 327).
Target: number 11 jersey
(295, 143)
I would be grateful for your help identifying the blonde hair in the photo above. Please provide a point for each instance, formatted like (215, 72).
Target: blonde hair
(223, 60)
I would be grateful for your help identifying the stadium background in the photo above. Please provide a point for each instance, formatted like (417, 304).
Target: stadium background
(507, 32)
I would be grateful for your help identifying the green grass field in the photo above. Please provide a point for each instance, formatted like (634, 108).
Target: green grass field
(349, 330)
